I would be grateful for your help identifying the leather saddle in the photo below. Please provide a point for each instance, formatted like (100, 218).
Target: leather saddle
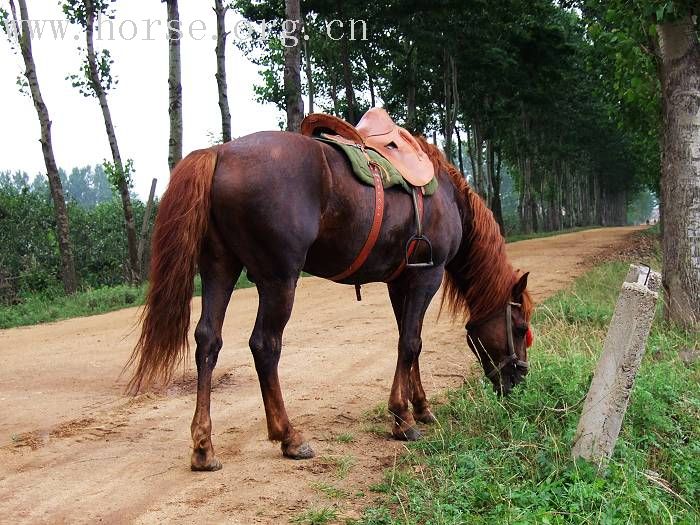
(377, 131)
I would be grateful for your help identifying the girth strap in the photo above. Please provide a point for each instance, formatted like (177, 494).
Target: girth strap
(373, 232)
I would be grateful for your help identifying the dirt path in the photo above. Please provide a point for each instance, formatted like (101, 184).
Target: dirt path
(73, 449)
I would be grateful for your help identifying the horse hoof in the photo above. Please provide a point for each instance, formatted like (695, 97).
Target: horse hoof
(211, 466)
(411, 434)
(427, 417)
(303, 451)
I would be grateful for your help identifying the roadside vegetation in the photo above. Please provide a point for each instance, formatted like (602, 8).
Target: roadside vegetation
(54, 305)
(495, 460)
(30, 306)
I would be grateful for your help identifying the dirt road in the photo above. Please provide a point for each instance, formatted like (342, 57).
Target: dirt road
(73, 449)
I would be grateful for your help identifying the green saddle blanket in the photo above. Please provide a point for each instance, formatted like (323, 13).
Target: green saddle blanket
(391, 176)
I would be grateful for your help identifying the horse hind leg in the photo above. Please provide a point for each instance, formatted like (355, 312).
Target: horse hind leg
(274, 310)
(219, 271)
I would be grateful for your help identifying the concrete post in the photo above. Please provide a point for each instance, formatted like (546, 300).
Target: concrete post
(608, 396)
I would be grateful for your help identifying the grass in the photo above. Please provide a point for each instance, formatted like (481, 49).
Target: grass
(316, 516)
(345, 437)
(495, 460)
(54, 305)
(342, 464)
(328, 490)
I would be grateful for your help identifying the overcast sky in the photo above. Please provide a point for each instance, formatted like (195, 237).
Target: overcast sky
(139, 103)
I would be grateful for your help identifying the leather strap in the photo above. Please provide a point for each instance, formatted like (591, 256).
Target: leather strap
(373, 232)
(412, 246)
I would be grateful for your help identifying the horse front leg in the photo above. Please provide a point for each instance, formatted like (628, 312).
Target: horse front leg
(410, 297)
(274, 310)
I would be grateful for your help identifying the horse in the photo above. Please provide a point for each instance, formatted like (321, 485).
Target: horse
(279, 204)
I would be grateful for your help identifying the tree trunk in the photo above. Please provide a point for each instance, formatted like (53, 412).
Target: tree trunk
(680, 174)
(496, 207)
(350, 100)
(472, 160)
(292, 69)
(220, 9)
(309, 74)
(460, 154)
(122, 182)
(451, 102)
(411, 122)
(144, 229)
(174, 85)
(65, 249)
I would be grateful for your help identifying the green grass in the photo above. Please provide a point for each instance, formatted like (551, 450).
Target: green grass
(328, 490)
(342, 464)
(54, 305)
(346, 437)
(508, 460)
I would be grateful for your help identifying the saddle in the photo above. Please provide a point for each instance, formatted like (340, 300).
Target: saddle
(377, 131)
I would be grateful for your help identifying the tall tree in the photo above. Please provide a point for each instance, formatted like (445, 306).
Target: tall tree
(657, 57)
(174, 84)
(20, 28)
(680, 167)
(292, 65)
(96, 80)
(220, 8)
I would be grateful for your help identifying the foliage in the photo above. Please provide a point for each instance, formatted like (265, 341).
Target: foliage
(53, 305)
(119, 177)
(508, 460)
(568, 103)
(83, 80)
(30, 261)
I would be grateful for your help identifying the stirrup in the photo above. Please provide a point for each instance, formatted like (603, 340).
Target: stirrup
(416, 239)
(419, 238)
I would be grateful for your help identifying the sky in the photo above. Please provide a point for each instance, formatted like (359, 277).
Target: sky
(139, 103)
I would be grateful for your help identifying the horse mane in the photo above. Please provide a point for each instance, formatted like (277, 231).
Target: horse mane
(479, 280)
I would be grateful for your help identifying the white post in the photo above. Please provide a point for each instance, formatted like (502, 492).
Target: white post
(608, 396)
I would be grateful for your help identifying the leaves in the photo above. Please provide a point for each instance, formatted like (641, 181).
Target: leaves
(119, 176)
(83, 80)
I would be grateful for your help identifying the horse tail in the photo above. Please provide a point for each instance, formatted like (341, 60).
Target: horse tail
(180, 226)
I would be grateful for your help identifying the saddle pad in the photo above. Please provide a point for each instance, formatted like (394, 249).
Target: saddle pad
(390, 175)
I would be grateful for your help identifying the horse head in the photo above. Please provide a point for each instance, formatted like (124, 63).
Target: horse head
(500, 342)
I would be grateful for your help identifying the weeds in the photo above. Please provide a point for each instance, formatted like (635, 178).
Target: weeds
(316, 516)
(342, 464)
(328, 490)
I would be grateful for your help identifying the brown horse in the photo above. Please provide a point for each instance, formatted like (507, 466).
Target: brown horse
(280, 203)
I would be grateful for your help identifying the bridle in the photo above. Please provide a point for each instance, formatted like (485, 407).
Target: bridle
(511, 358)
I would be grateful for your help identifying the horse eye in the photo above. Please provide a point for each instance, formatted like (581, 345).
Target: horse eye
(521, 330)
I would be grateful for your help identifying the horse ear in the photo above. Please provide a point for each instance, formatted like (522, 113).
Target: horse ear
(519, 288)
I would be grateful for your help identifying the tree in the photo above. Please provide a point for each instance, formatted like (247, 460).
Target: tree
(20, 27)
(292, 65)
(658, 57)
(680, 167)
(220, 8)
(95, 81)
(174, 84)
